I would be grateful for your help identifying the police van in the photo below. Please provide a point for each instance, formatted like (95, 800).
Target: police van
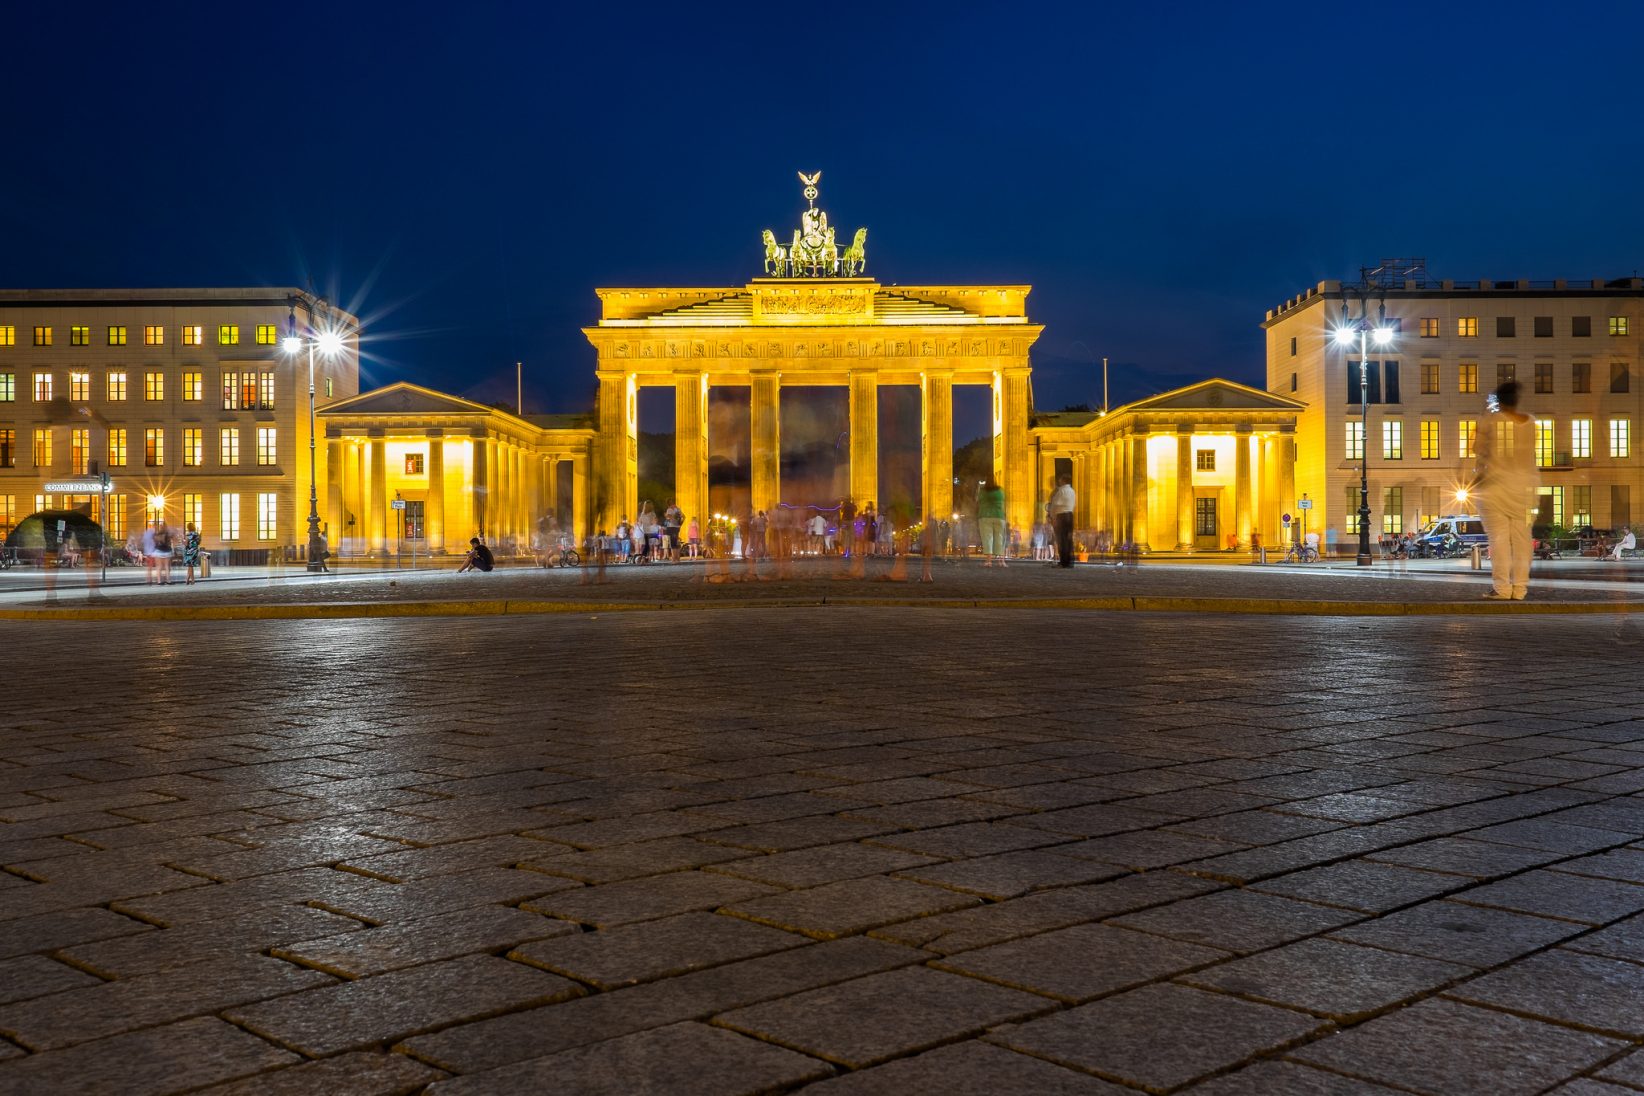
(1465, 530)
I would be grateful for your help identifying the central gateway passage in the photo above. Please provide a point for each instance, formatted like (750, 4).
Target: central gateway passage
(816, 454)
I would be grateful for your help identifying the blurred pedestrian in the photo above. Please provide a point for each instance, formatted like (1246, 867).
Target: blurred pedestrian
(990, 515)
(191, 552)
(1060, 510)
(1507, 480)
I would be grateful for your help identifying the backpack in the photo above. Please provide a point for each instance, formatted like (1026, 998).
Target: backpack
(162, 539)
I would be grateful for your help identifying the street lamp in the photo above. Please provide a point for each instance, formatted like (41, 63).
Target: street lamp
(329, 342)
(1364, 332)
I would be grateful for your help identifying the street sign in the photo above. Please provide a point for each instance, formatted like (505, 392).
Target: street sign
(92, 486)
(1305, 504)
(397, 504)
(1285, 518)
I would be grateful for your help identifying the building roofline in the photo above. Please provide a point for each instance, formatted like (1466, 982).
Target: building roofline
(220, 295)
(1332, 290)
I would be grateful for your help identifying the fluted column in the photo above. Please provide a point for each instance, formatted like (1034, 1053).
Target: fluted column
(691, 445)
(1184, 490)
(434, 507)
(482, 490)
(1081, 490)
(584, 520)
(765, 419)
(1284, 453)
(1138, 492)
(864, 420)
(379, 496)
(936, 450)
(616, 451)
(1241, 486)
(1011, 387)
(336, 467)
(550, 493)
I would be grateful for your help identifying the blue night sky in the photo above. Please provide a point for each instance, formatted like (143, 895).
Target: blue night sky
(463, 177)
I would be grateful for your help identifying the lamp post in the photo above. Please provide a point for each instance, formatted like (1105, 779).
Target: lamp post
(1362, 330)
(329, 342)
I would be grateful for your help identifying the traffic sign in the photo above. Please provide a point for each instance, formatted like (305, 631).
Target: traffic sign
(397, 504)
(1305, 504)
(1285, 518)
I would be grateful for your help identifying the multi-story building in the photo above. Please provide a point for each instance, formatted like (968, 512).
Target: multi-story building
(184, 398)
(1574, 347)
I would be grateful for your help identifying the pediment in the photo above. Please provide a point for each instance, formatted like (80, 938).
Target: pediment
(1216, 394)
(406, 399)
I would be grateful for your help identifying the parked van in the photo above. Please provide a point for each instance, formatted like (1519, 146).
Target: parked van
(1466, 529)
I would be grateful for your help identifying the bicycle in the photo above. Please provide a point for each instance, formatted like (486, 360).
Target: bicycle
(1301, 553)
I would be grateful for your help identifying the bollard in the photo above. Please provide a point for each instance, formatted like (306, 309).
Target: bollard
(205, 564)
(1261, 553)
(1478, 557)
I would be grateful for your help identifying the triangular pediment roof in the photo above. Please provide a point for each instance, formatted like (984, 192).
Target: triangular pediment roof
(404, 398)
(1215, 394)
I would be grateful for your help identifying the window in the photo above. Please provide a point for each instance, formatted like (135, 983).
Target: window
(42, 448)
(231, 391)
(415, 527)
(267, 335)
(8, 513)
(1392, 440)
(1429, 439)
(191, 335)
(1619, 379)
(1581, 377)
(1550, 505)
(228, 446)
(1364, 382)
(117, 336)
(1467, 327)
(1581, 327)
(154, 447)
(1581, 503)
(1293, 383)
(79, 387)
(154, 335)
(1390, 384)
(328, 385)
(413, 461)
(1621, 440)
(192, 447)
(1506, 371)
(1544, 377)
(1505, 327)
(1392, 510)
(1581, 438)
(1468, 435)
(1293, 346)
(228, 334)
(79, 450)
(8, 447)
(1618, 325)
(42, 336)
(8, 336)
(1204, 461)
(116, 387)
(228, 509)
(193, 387)
(265, 392)
(1204, 517)
(268, 510)
(1468, 382)
(117, 447)
(194, 511)
(1545, 457)
(1429, 378)
(248, 391)
(1544, 327)
(42, 388)
(1354, 441)
(1429, 327)
(267, 436)
(154, 386)
(1351, 521)
(79, 335)
(8, 387)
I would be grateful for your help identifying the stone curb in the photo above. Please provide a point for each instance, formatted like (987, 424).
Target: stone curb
(525, 607)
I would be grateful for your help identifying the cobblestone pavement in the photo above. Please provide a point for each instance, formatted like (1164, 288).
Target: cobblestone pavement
(854, 851)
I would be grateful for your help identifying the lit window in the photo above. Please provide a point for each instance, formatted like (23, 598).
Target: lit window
(267, 335)
(1429, 327)
(1581, 377)
(42, 387)
(229, 513)
(79, 335)
(154, 335)
(117, 518)
(192, 446)
(117, 336)
(228, 446)
(79, 387)
(1429, 378)
(1581, 438)
(1429, 439)
(248, 391)
(191, 335)
(1204, 460)
(194, 512)
(328, 386)
(79, 450)
(231, 391)
(1621, 440)
(413, 463)
(154, 386)
(42, 336)
(1467, 327)
(1618, 325)
(268, 512)
(1545, 457)
(42, 447)
(1392, 510)
(1392, 440)
(154, 447)
(1468, 378)
(117, 447)
(8, 335)
(265, 391)
(1352, 510)
(1544, 377)
(1354, 440)
(267, 437)
(1551, 503)
(8, 387)
(117, 385)
(193, 387)
(228, 334)
(8, 447)
(1581, 501)
(1469, 435)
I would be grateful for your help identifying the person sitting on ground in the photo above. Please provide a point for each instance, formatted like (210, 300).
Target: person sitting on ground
(479, 557)
(1626, 544)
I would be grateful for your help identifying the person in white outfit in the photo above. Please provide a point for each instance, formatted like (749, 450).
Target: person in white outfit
(1507, 481)
(1626, 544)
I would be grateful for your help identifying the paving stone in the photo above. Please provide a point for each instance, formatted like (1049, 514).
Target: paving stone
(424, 940)
(1254, 827)
(678, 1060)
(1009, 874)
(458, 856)
(967, 1069)
(32, 976)
(1586, 1086)
(1556, 894)
(385, 902)
(1238, 920)
(322, 886)
(971, 839)
(1344, 982)
(1136, 1036)
(883, 1016)
(1277, 1078)
(387, 1007)
(362, 1073)
(1080, 963)
(1627, 1070)
(928, 814)
(168, 949)
(1567, 987)
(1456, 933)
(1538, 833)
(647, 899)
(1625, 864)
(165, 1059)
(1461, 856)
(1445, 1046)
(822, 864)
(1623, 940)
(655, 949)
(1144, 849)
(849, 907)
(1362, 885)
(614, 864)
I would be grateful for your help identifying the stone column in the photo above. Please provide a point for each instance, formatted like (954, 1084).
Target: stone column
(1139, 533)
(335, 470)
(864, 420)
(1184, 488)
(1241, 485)
(616, 451)
(550, 493)
(1284, 453)
(482, 490)
(434, 509)
(1082, 488)
(522, 493)
(1017, 481)
(936, 451)
(691, 446)
(766, 428)
(379, 496)
(583, 517)
(1111, 519)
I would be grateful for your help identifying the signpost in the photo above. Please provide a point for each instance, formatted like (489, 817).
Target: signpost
(1304, 505)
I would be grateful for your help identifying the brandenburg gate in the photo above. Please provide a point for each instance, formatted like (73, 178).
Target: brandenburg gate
(814, 320)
